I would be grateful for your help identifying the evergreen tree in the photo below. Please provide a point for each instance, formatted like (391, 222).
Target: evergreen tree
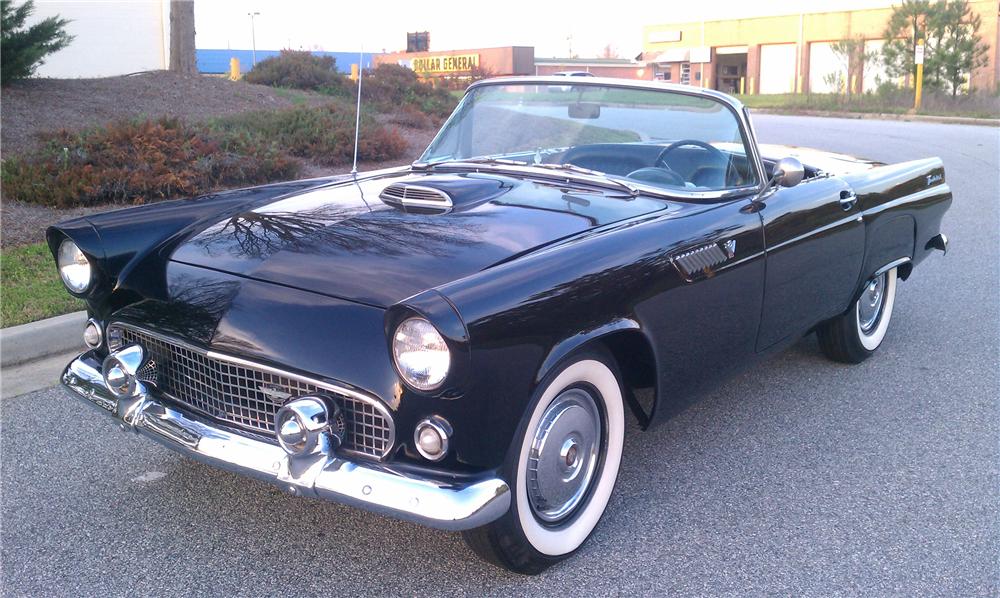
(23, 49)
(952, 45)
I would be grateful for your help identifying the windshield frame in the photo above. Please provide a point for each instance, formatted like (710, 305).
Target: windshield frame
(738, 110)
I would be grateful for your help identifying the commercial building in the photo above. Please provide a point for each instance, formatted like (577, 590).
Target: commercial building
(790, 53)
(114, 38)
(508, 60)
(621, 68)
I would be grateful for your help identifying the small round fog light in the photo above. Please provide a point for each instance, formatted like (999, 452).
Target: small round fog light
(120, 370)
(431, 438)
(303, 426)
(92, 334)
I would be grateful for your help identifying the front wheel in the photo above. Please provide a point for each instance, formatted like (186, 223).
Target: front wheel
(854, 336)
(562, 468)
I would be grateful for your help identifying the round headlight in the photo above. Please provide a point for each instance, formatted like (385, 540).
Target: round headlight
(421, 355)
(74, 267)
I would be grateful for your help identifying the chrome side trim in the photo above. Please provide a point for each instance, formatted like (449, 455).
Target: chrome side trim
(439, 503)
(377, 404)
(890, 266)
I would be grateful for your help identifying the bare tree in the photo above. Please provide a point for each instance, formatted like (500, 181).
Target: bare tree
(182, 58)
(609, 51)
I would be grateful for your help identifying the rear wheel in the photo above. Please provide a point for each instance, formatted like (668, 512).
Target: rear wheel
(854, 336)
(562, 468)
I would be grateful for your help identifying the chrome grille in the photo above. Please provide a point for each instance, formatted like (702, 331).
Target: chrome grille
(248, 395)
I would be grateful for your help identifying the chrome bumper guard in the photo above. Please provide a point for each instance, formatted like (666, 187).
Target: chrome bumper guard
(373, 487)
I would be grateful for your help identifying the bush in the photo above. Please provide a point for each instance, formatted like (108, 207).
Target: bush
(140, 161)
(408, 116)
(324, 134)
(23, 50)
(299, 70)
(390, 86)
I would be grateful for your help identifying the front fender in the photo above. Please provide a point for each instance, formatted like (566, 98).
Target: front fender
(576, 341)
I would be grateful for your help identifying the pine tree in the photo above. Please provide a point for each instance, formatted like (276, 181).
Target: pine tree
(23, 49)
(952, 45)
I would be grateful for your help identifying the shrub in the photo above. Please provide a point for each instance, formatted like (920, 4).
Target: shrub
(324, 134)
(408, 116)
(390, 86)
(139, 161)
(22, 49)
(300, 70)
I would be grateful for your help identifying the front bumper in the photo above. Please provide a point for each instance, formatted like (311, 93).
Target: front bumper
(374, 487)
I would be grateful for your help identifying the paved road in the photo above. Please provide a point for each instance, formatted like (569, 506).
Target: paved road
(804, 477)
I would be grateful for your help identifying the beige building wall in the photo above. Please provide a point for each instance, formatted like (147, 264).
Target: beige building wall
(671, 42)
(111, 38)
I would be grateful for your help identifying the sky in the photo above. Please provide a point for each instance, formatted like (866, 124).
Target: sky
(553, 28)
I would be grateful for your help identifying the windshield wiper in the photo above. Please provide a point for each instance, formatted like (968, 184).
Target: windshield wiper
(482, 160)
(629, 189)
(632, 191)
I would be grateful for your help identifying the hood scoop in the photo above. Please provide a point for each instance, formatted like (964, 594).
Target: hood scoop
(440, 194)
(407, 195)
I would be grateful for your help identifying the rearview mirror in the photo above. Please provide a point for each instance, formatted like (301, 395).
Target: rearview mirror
(584, 110)
(788, 172)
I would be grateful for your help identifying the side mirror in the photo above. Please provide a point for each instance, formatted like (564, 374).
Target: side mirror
(788, 172)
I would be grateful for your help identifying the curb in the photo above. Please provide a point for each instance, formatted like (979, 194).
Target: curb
(928, 118)
(35, 340)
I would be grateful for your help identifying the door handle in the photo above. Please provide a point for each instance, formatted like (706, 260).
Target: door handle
(847, 200)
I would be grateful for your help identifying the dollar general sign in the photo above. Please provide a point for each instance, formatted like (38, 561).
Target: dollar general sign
(446, 64)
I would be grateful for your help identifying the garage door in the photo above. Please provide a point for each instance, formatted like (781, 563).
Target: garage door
(827, 71)
(777, 68)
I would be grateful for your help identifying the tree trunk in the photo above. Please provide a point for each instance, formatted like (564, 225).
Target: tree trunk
(182, 58)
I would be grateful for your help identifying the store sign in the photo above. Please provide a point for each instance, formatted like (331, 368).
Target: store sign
(446, 64)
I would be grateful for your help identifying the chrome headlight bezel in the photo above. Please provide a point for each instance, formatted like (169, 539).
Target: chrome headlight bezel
(416, 335)
(75, 269)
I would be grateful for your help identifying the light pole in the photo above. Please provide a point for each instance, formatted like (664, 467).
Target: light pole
(253, 40)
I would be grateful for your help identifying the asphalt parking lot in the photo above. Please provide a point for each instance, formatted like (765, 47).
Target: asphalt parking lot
(801, 477)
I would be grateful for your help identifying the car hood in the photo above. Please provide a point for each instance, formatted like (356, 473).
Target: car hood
(343, 241)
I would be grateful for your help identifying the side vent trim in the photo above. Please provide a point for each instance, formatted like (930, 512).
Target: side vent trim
(700, 261)
(416, 196)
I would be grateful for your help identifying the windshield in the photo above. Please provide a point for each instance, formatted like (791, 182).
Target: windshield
(657, 137)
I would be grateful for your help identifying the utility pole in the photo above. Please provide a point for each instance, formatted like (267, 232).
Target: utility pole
(253, 40)
(182, 52)
(918, 59)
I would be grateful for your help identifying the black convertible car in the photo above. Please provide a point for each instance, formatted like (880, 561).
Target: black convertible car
(459, 342)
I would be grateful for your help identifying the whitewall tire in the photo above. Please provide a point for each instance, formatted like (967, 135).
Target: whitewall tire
(854, 336)
(562, 468)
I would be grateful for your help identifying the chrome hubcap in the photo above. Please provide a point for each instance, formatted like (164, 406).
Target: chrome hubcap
(564, 455)
(870, 304)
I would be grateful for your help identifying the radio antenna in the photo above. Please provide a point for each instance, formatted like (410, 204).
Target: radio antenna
(357, 114)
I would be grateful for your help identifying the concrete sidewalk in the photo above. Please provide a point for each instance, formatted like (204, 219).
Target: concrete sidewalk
(927, 118)
(32, 355)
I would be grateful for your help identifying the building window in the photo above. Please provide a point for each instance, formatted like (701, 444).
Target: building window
(685, 73)
(667, 75)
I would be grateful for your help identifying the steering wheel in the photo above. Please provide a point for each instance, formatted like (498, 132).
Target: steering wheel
(661, 158)
(657, 175)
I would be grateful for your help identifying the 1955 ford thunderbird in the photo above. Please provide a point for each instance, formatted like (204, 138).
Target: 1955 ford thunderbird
(459, 342)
